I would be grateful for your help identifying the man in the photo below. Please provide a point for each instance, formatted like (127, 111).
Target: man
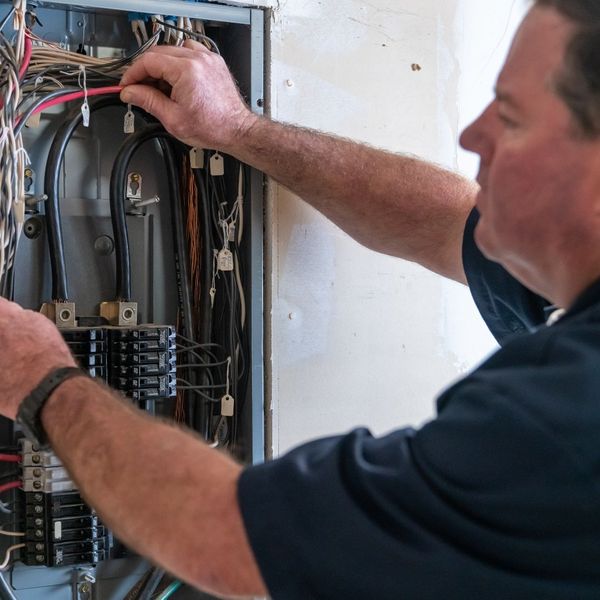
(499, 497)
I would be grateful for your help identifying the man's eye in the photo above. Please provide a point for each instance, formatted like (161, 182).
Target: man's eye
(507, 121)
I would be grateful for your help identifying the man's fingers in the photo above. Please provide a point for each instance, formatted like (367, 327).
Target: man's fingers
(195, 45)
(153, 101)
(154, 65)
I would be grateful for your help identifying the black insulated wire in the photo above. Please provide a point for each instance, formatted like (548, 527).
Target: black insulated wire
(201, 419)
(205, 325)
(60, 288)
(118, 184)
(41, 100)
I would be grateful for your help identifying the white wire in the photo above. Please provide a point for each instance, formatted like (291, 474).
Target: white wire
(12, 177)
(9, 551)
(11, 533)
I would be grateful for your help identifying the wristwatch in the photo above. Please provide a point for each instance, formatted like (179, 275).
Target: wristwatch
(30, 410)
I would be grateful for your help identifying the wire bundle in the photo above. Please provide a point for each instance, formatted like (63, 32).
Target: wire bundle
(220, 354)
(53, 67)
(14, 56)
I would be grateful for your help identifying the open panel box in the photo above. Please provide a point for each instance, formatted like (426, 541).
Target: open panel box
(104, 29)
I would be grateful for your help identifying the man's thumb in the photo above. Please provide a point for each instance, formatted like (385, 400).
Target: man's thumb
(148, 98)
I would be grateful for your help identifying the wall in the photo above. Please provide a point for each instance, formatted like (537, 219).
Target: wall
(359, 338)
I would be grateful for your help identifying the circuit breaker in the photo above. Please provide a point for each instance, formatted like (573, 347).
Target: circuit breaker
(145, 253)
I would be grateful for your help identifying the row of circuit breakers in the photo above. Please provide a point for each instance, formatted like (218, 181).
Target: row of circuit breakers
(60, 529)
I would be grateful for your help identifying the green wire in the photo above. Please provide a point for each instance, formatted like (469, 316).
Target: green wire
(170, 590)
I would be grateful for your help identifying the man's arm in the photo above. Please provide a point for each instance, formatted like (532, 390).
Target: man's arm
(391, 203)
(162, 491)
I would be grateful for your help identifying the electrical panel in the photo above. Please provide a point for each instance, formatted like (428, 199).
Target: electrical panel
(145, 253)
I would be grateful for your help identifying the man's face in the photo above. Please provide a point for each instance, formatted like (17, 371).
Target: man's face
(539, 179)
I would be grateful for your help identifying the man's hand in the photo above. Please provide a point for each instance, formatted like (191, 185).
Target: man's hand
(30, 347)
(203, 106)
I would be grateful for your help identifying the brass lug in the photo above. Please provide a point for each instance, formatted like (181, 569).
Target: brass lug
(62, 314)
(122, 314)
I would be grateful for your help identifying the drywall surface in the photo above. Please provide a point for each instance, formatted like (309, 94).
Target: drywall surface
(358, 338)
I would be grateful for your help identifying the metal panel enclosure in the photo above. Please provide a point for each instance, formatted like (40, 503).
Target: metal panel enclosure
(88, 234)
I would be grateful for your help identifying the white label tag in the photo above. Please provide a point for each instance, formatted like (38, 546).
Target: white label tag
(217, 165)
(227, 406)
(197, 158)
(129, 121)
(225, 260)
(58, 530)
(85, 111)
(212, 292)
(231, 232)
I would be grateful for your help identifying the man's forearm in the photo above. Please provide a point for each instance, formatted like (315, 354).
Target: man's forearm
(154, 484)
(395, 204)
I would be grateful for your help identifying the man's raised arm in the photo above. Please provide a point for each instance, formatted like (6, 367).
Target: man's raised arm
(391, 203)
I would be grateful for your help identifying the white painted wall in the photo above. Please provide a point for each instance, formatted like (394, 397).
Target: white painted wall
(360, 338)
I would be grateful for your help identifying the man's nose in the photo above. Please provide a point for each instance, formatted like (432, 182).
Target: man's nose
(477, 137)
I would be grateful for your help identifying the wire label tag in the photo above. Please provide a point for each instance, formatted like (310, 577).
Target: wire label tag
(217, 165)
(85, 111)
(129, 121)
(227, 405)
(197, 158)
(225, 260)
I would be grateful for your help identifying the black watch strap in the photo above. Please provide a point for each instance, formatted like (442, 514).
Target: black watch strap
(30, 410)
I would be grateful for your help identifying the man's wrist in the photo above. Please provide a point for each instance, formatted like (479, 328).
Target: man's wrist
(241, 139)
(30, 409)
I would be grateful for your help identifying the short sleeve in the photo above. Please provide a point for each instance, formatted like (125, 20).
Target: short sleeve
(505, 304)
(451, 511)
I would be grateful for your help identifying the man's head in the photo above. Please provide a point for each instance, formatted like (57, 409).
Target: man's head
(539, 143)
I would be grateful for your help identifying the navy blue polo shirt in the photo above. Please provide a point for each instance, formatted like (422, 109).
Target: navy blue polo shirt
(498, 497)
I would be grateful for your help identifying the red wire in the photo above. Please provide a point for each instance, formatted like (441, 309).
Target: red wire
(10, 458)
(11, 485)
(28, 49)
(26, 57)
(115, 89)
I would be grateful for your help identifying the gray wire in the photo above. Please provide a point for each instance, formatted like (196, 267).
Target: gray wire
(198, 36)
(11, 12)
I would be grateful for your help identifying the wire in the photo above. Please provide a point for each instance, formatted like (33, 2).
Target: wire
(6, 591)
(169, 591)
(26, 57)
(118, 180)
(5, 20)
(152, 583)
(11, 485)
(69, 97)
(9, 551)
(188, 386)
(11, 533)
(193, 34)
(52, 187)
(23, 118)
(10, 458)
